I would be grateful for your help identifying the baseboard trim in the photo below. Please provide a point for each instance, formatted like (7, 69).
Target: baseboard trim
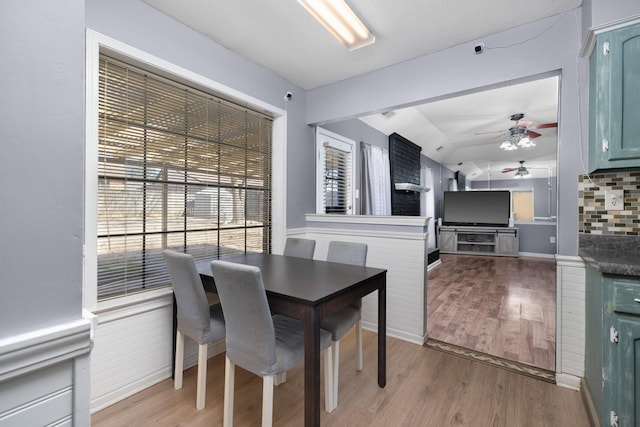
(536, 255)
(588, 404)
(394, 333)
(115, 396)
(434, 265)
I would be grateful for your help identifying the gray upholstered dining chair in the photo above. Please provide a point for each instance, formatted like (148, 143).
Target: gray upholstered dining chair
(263, 344)
(299, 248)
(341, 322)
(196, 320)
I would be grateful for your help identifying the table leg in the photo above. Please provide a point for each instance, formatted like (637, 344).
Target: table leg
(312, 367)
(382, 335)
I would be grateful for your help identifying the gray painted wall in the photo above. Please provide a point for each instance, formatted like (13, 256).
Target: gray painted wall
(535, 238)
(41, 167)
(542, 205)
(441, 176)
(536, 51)
(605, 11)
(42, 48)
(359, 131)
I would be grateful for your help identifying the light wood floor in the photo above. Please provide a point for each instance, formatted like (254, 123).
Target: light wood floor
(502, 306)
(425, 387)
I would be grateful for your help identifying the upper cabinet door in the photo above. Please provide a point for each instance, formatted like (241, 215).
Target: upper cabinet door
(625, 94)
(615, 100)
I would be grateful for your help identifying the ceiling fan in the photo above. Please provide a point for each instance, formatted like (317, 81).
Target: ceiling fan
(521, 171)
(522, 127)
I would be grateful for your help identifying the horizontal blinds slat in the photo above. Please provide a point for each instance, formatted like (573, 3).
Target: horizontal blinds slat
(336, 180)
(177, 168)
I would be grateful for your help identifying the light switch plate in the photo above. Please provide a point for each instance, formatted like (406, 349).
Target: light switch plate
(613, 200)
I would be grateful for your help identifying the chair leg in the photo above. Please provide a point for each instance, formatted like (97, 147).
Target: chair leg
(267, 400)
(229, 379)
(179, 366)
(280, 378)
(359, 345)
(328, 381)
(335, 356)
(202, 376)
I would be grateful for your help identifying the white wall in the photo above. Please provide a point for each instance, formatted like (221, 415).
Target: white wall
(397, 244)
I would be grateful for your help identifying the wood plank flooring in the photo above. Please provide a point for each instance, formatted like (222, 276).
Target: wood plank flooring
(425, 387)
(501, 306)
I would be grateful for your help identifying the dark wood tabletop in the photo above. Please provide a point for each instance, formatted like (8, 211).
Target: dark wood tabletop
(310, 290)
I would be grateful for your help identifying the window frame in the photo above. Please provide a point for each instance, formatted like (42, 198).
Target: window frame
(97, 43)
(324, 138)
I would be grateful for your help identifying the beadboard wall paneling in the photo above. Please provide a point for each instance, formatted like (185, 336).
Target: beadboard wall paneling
(570, 349)
(43, 376)
(41, 397)
(404, 256)
(134, 350)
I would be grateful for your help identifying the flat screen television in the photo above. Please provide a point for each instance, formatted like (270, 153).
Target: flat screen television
(477, 208)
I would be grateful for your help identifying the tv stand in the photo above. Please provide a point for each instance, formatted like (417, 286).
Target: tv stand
(470, 240)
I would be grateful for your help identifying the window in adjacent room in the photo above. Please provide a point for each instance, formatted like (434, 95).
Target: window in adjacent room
(335, 173)
(178, 168)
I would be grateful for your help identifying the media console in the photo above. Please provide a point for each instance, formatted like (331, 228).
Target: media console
(469, 240)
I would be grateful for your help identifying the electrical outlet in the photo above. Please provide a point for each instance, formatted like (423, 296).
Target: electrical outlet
(552, 239)
(613, 200)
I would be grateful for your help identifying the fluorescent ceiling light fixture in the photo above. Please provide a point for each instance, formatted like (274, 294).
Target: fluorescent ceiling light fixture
(338, 18)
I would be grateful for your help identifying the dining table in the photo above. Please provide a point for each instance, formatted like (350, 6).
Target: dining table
(311, 290)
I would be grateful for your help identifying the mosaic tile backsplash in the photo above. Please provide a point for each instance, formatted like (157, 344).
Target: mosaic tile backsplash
(595, 219)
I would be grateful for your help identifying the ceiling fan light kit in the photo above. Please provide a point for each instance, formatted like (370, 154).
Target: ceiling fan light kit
(521, 171)
(520, 136)
(508, 145)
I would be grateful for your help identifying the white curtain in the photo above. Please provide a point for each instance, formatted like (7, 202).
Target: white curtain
(376, 185)
(427, 204)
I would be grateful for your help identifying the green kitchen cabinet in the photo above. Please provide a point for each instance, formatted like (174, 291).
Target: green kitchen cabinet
(614, 100)
(612, 344)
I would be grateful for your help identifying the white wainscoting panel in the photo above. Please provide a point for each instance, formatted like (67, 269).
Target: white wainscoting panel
(134, 350)
(404, 256)
(570, 350)
(42, 376)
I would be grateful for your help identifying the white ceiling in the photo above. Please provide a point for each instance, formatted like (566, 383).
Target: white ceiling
(470, 129)
(283, 37)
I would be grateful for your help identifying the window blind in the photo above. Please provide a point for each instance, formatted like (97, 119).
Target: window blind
(337, 173)
(178, 168)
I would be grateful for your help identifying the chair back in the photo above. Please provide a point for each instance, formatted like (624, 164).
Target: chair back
(347, 253)
(250, 334)
(191, 300)
(299, 248)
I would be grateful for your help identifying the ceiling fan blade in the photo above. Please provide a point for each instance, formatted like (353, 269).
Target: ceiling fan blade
(532, 134)
(524, 123)
(546, 125)
(507, 170)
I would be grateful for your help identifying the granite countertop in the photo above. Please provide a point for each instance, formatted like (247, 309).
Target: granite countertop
(611, 254)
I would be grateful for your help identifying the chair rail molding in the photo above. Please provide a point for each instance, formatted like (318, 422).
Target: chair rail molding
(44, 375)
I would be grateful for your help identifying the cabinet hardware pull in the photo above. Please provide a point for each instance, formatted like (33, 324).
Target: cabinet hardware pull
(636, 300)
(605, 48)
(613, 419)
(613, 335)
(605, 145)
